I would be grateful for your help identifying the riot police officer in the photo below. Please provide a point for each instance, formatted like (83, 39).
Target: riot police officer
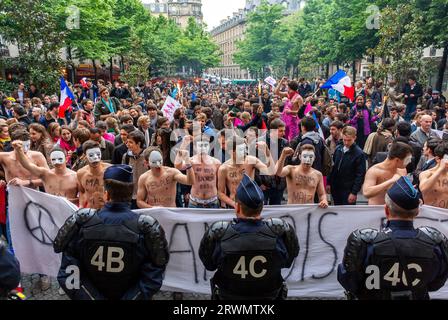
(398, 262)
(249, 252)
(9, 270)
(113, 253)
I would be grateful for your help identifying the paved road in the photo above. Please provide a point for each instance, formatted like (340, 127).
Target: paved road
(33, 291)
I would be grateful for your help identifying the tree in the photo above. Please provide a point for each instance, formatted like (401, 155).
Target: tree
(195, 49)
(434, 31)
(400, 44)
(264, 44)
(88, 40)
(124, 36)
(159, 40)
(33, 26)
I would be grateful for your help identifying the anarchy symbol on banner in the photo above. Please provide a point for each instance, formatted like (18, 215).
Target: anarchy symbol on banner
(40, 223)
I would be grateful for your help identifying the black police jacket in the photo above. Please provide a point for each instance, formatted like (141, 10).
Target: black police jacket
(9, 269)
(399, 262)
(119, 254)
(249, 256)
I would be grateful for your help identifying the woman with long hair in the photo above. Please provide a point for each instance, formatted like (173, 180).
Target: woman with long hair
(54, 130)
(40, 140)
(66, 142)
(162, 140)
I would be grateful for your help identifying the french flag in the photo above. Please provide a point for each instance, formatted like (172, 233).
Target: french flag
(341, 82)
(67, 99)
(84, 84)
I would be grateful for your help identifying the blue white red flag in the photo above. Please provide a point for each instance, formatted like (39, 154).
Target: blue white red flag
(341, 82)
(67, 99)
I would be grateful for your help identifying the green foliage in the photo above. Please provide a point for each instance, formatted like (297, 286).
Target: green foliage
(195, 49)
(400, 46)
(341, 31)
(266, 40)
(33, 26)
(97, 31)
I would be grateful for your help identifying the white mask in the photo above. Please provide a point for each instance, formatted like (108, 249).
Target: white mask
(407, 160)
(57, 157)
(94, 155)
(307, 157)
(26, 146)
(155, 160)
(203, 147)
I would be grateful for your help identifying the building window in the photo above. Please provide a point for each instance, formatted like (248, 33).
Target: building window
(432, 52)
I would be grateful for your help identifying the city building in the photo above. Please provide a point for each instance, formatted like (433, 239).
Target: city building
(226, 35)
(232, 29)
(436, 54)
(178, 10)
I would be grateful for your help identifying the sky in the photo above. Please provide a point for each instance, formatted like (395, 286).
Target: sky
(216, 10)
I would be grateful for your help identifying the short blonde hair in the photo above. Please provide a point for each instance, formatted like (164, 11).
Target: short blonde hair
(349, 131)
(245, 115)
(141, 120)
(201, 116)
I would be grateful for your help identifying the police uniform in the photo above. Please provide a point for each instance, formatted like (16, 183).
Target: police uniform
(119, 254)
(249, 254)
(9, 270)
(398, 262)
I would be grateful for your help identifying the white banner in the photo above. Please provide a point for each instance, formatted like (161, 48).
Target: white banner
(271, 81)
(170, 106)
(35, 219)
(322, 236)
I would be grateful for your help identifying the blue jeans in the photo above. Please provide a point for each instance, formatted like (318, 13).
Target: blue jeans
(212, 205)
(410, 109)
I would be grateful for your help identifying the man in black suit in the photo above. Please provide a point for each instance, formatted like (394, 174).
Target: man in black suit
(412, 92)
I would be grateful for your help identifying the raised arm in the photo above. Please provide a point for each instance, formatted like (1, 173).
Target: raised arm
(179, 176)
(26, 163)
(280, 169)
(179, 161)
(264, 169)
(277, 89)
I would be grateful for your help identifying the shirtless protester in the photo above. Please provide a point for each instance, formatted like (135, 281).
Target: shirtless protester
(302, 181)
(157, 187)
(381, 177)
(434, 182)
(15, 173)
(204, 192)
(231, 172)
(59, 181)
(90, 178)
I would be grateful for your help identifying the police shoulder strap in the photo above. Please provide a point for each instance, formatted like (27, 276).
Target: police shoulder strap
(401, 259)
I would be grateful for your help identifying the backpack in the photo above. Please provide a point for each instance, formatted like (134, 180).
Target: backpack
(327, 161)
